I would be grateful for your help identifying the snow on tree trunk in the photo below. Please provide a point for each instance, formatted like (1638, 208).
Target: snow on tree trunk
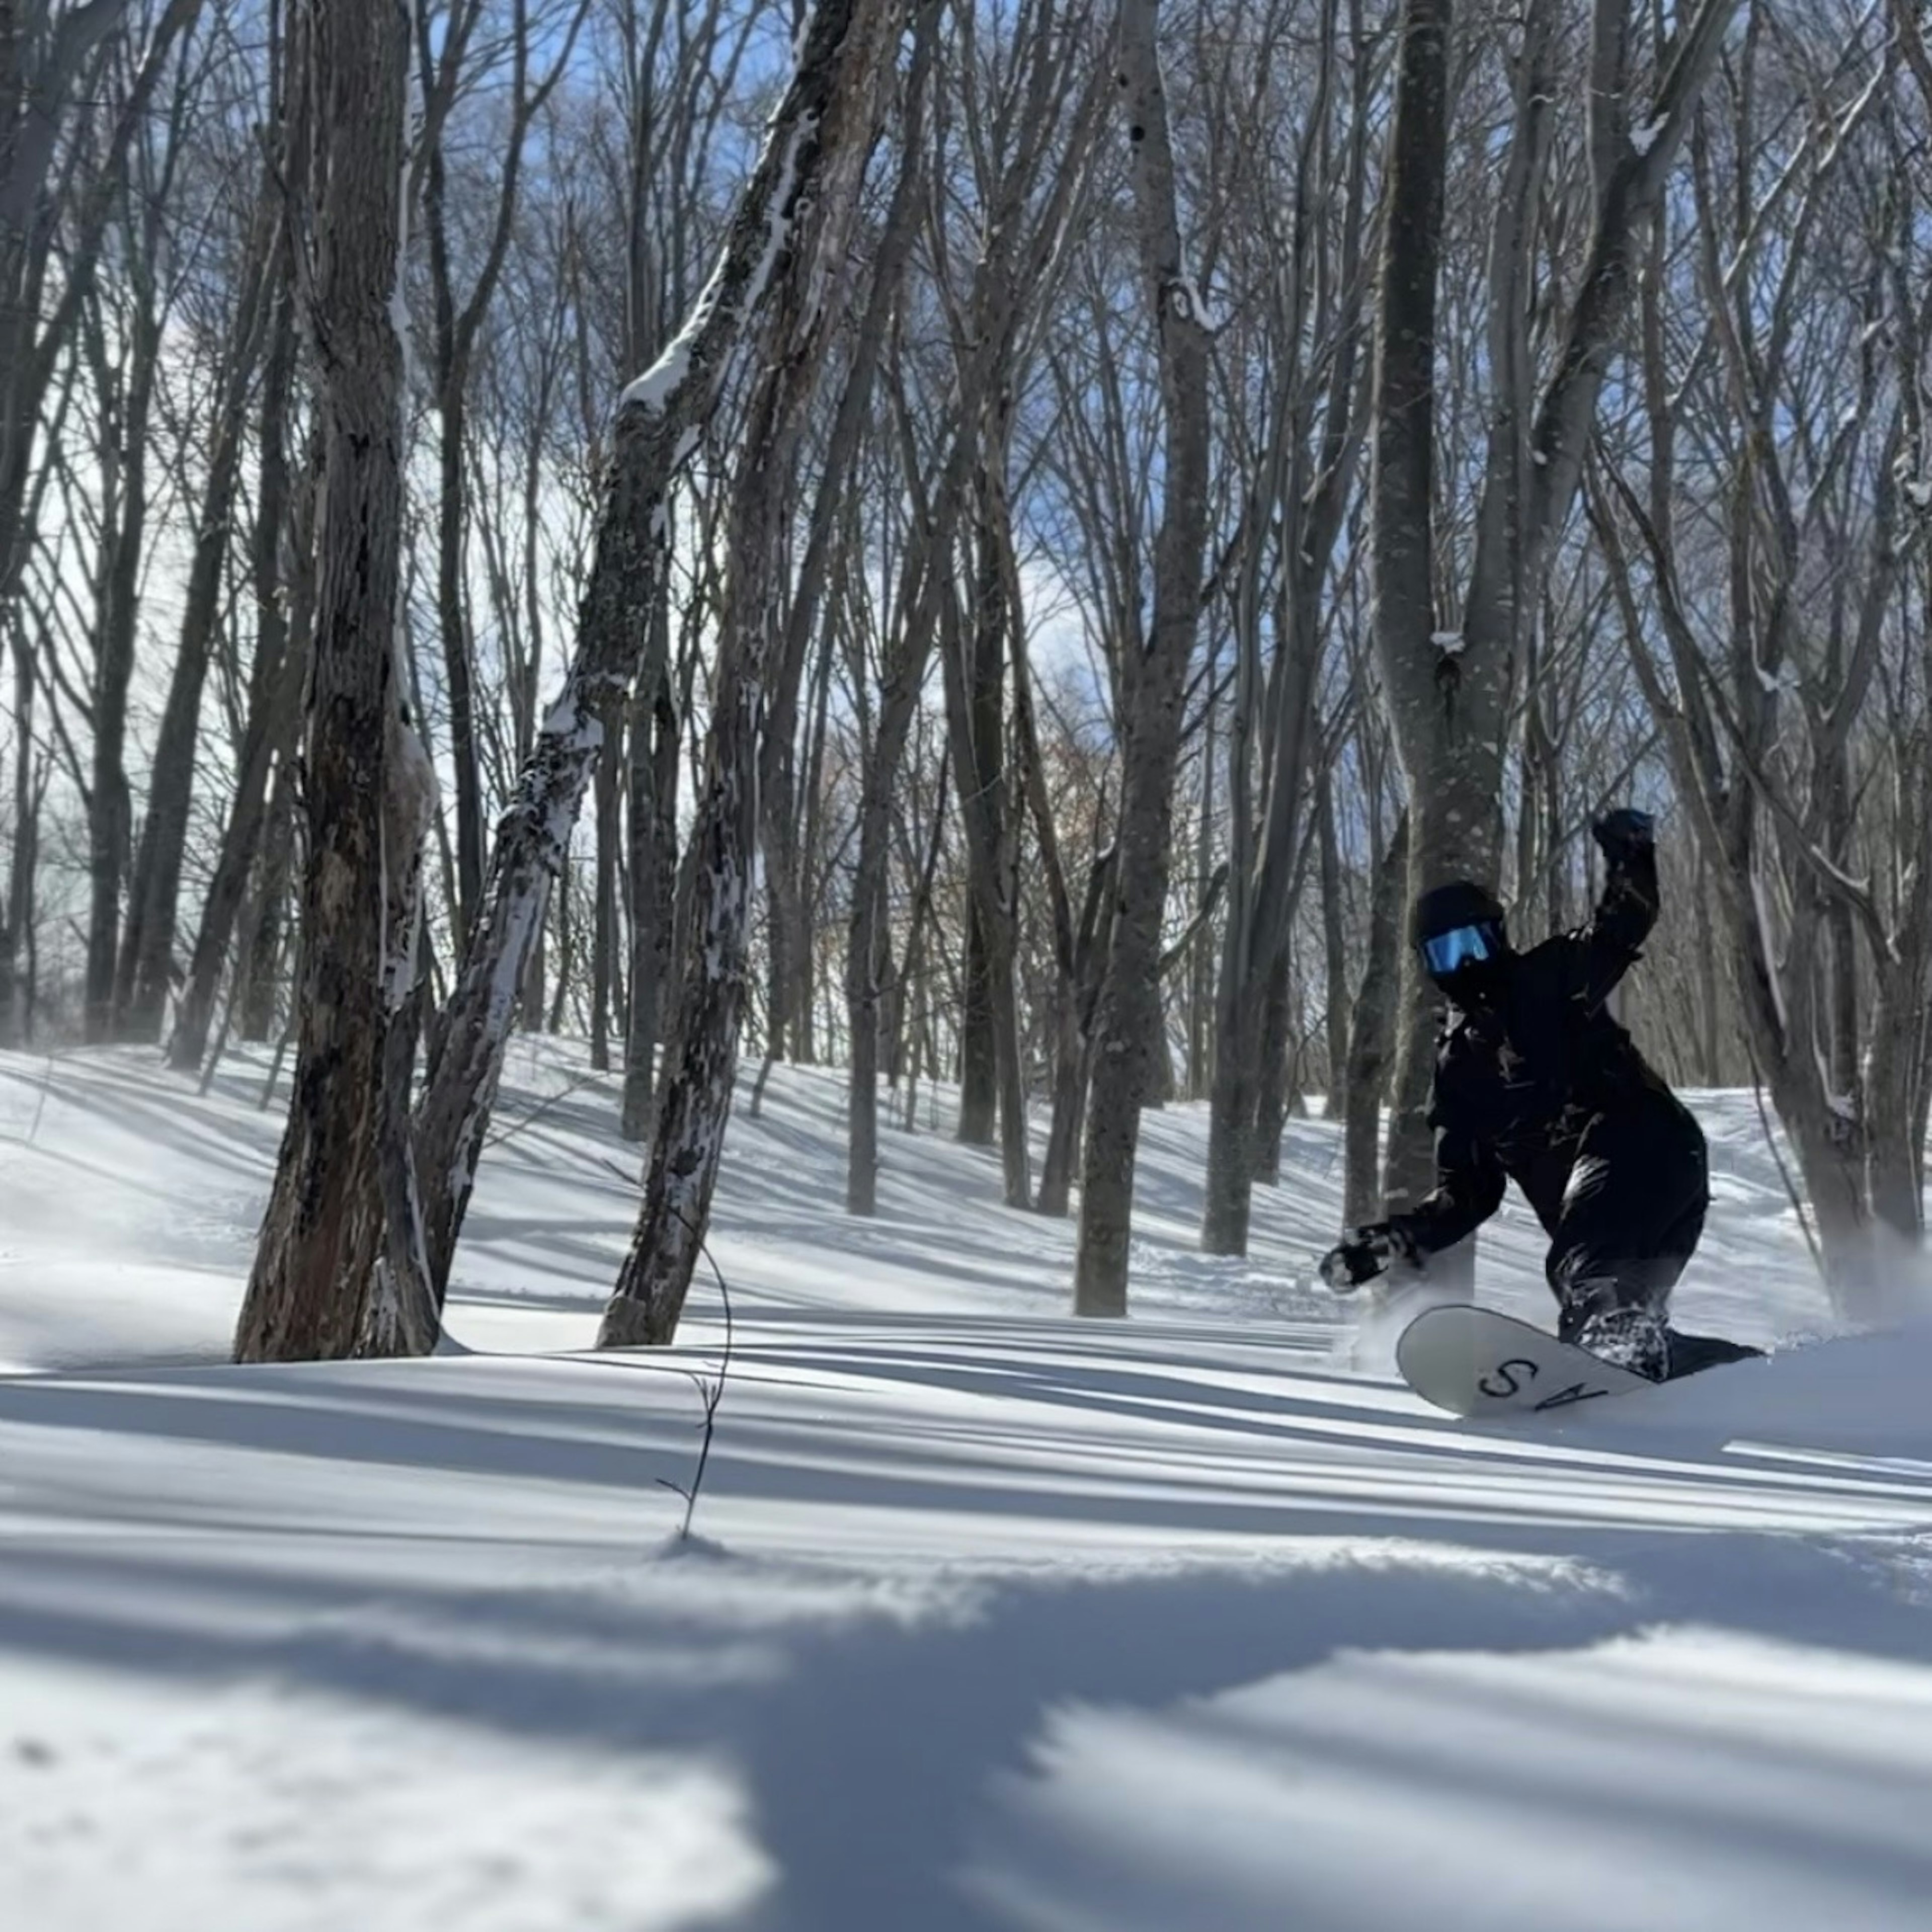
(652, 807)
(1371, 1037)
(1128, 1030)
(660, 419)
(806, 263)
(401, 1316)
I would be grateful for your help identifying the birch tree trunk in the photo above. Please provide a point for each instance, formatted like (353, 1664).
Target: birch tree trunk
(652, 807)
(1129, 1023)
(660, 419)
(847, 69)
(1371, 1038)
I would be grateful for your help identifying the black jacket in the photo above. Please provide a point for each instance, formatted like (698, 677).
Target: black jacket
(1519, 1077)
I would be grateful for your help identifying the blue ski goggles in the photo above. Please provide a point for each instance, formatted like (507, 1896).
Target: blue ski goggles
(1463, 945)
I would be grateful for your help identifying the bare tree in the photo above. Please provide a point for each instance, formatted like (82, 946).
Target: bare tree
(283, 604)
(1049, 107)
(1129, 1023)
(1302, 465)
(842, 65)
(1809, 308)
(329, 1279)
(661, 420)
(1448, 688)
(447, 60)
(145, 972)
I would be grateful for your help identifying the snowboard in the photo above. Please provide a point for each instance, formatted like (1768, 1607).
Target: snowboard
(1475, 1362)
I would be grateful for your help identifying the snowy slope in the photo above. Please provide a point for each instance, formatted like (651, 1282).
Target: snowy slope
(1200, 1621)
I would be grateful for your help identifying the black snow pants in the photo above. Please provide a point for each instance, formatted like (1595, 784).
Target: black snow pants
(1631, 1213)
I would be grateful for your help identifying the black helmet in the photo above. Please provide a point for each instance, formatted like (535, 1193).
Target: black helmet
(1457, 927)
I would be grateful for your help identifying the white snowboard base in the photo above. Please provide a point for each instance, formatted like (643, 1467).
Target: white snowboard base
(1475, 1362)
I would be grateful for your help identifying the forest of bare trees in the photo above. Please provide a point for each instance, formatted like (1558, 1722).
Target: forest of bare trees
(989, 543)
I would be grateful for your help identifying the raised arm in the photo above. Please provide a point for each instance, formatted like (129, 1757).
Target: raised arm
(1610, 945)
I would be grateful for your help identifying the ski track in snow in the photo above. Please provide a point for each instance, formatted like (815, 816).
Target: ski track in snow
(1199, 1623)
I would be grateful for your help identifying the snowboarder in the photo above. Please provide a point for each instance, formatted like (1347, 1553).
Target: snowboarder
(1535, 1082)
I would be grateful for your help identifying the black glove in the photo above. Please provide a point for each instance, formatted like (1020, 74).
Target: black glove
(1364, 1253)
(1623, 833)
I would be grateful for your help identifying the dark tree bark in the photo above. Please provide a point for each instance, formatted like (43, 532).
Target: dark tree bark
(324, 1284)
(652, 807)
(145, 973)
(280, 662)
(1277, 1088)
(111, 814)
(979, 1077)
(1129, 1022)
(605, 987)
(1334, 950)
(259, 966)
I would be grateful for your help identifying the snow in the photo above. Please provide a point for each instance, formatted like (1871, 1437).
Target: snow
(1450, 644)
(1193, 304)
(1643, 139)
(653, 390)
(993, 1619)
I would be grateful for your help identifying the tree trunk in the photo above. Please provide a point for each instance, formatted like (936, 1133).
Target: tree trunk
(844, 57)
(979, 1076)
(660, 421)
(1130, 1020)
(975, 668)
(145, 973)
(1200, 954)
(1894, 1160)
(1275, 1090)
(604, 914)
(260, 968)
(323, 1238)
(275, 685)
(453, 612)
(1443, 730)
(16, 922)
(1371, 1037)
(1334, 953)
(1076, 1002)
(653, 817)
(111, 817)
